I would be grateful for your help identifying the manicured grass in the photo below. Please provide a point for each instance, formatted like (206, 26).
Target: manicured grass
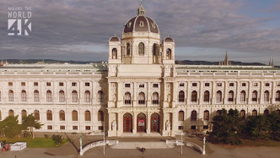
(34, 143)
(259, 143)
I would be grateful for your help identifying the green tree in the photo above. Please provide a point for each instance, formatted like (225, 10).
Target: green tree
(274, 128)
(9, 127)
(30, 122)
(226, 127)
(256, 127)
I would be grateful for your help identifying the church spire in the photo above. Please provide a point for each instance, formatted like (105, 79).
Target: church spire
(141, 10)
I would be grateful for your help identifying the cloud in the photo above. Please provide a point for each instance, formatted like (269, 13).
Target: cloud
(75, 29)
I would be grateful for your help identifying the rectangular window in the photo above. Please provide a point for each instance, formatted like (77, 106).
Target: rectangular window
(87, 84)
(181, 84)
(193, 127)
(243, 84)
(87, 127)
(155, 85)
(62, 127)
(49, 84)
(49, 127)
(205, 127)
(22, 83)
(255, 84)
(74, 84)
(100, 128)
(10, 83)
(194, 84)
(207, 84)
(219, 84)
(181, 127)
(267, 84)
(231, 84)
(35, 83)
(75, 127)
(141, 86)
(61, 84)
(278, 84)
(127, 85)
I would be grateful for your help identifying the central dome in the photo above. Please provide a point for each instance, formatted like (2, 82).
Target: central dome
(141, 23)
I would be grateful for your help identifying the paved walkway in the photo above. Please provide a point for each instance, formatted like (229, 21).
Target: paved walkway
(70, 150)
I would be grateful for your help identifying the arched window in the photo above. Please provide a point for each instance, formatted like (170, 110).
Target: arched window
(36, 96)
(242, 96)
(254, 113)
(11, 113)
(87, 116)
(100, 115)
(37, 115)
(181, 116)
(206, 115)
(49, 115)
(219, 97)
(193, 116)
(23, 114)
(277, 97)
(155, 99)
(141, 49)
(114, 53)
(23, 96)
(100, 96)
(87, 96)
(61, 115)
(141, 98)
(128, 49)
(155, 49)
(74, 96)
(194, 96)
(242, 114)
(266, 112)
(230, 96)
(74, 115)
(49, 96)
(206, 96)
(61, 96)
(11, 95)
(266, 96)
(218, 112)
(254, 96)
(181, 96)
(127, 98)
(168, 53)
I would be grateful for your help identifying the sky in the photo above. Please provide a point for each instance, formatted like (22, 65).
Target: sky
(249, 30)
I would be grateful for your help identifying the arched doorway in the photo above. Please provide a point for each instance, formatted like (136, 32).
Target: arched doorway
(127, 122)
(155, 122)
(141, 122)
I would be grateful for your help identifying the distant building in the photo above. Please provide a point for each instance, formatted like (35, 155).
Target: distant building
(226, 61)
(140, 91)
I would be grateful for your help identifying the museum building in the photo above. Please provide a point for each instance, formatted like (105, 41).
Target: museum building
(139, 91)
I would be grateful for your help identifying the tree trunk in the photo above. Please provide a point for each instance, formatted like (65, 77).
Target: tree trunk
(31, 132)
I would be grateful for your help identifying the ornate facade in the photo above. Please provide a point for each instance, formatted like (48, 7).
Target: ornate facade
(139, 91)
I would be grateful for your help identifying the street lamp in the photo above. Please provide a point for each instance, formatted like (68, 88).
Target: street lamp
(203, 152)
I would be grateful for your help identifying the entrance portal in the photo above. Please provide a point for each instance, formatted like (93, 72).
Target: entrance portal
(141, 122)
(127, 122)
(155, 122)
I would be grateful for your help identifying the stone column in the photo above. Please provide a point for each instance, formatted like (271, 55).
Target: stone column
(148, 127)
(237, 92)
(134, 129)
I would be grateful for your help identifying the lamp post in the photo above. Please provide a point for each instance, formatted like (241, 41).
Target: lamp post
(81, 144)
(203, 151)
(182, 143)
(104, 137)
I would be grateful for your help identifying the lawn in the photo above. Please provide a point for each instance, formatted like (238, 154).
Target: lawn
(34, 143)
(258, 143)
